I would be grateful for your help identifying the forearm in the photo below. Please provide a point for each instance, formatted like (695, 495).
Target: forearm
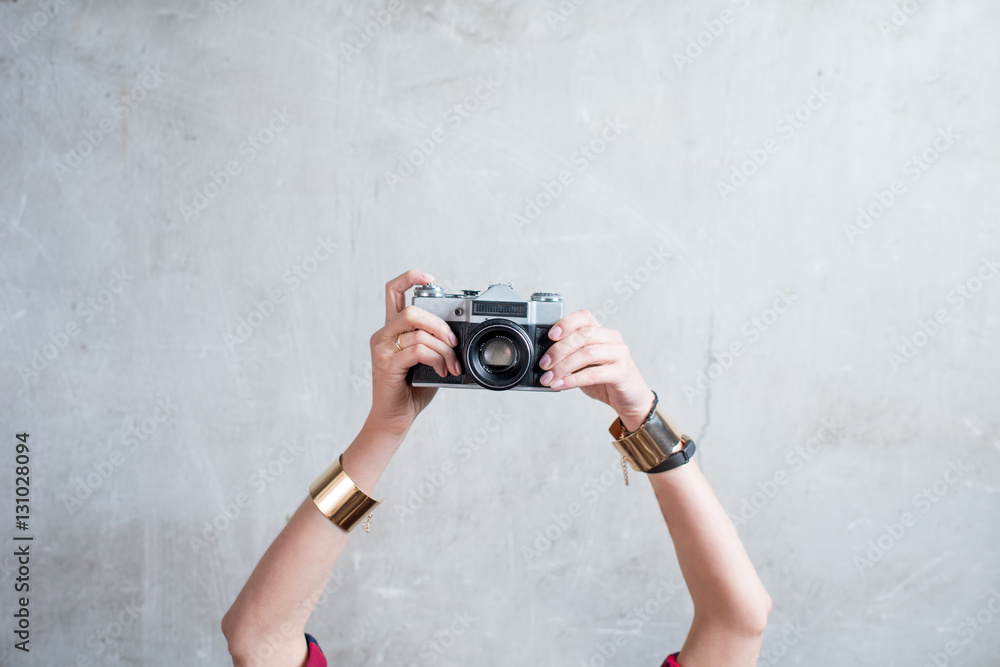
(724, 585)
(726, 590)
(271, 611)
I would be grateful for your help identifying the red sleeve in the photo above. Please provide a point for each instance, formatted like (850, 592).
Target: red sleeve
(315, 657)
(671, 661)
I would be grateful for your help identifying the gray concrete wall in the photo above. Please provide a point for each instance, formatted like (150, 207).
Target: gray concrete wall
(164, 392)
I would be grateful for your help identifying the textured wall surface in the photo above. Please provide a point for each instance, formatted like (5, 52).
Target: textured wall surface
(790, 210)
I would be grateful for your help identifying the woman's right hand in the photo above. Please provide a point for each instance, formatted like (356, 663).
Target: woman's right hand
(424, 338)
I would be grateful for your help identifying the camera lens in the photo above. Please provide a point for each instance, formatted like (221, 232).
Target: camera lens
(498, 354)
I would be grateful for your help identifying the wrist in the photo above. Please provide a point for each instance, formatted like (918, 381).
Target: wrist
(633, 417)
(380, 428)
(385, 431)
(369, 455)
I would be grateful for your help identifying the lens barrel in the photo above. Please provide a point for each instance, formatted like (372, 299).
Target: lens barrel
(498, 354)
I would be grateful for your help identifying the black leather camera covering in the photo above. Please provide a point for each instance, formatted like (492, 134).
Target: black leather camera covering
(537, 334)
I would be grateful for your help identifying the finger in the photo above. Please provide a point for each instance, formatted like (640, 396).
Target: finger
(413, 317)
(590, 355)
(395, 290)
(421, 337)
(575, 341)
(419, 354)
(571, 323)
(586, 376)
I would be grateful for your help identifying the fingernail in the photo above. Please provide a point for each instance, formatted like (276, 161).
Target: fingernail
(544, 363)
(545, 377)
(555, 332)
(453, 339)
(558, 383)
(428, 278)
(458, 368)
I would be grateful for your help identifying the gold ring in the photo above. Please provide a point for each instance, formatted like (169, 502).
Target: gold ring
(398, 346)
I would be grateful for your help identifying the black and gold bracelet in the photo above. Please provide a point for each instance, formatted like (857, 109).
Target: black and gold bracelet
(656, 446)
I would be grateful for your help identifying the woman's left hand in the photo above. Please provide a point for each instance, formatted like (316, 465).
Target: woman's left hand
(596, 359)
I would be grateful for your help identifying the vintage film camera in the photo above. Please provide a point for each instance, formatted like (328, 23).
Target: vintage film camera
(501, 336)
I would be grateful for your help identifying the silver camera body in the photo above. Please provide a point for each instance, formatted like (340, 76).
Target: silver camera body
(501, 336)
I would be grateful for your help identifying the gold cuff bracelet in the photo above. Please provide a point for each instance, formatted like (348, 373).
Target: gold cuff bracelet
(651, 444)
(339, 499)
